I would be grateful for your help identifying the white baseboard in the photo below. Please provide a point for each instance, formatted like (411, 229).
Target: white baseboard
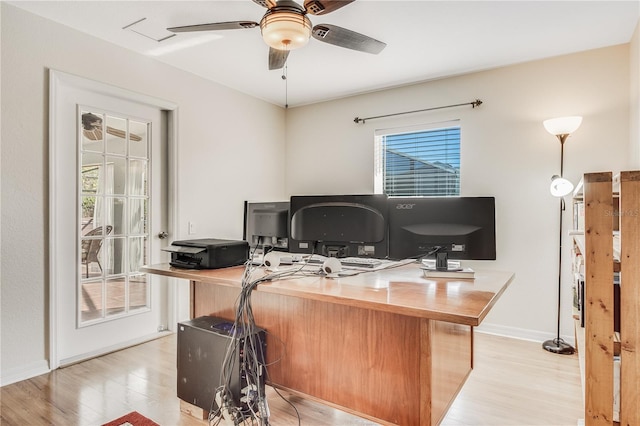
(42, 367)
(103, 351)
(521, 333)
(24, 372)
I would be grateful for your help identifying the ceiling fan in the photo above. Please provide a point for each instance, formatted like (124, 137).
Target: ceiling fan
(285, 26)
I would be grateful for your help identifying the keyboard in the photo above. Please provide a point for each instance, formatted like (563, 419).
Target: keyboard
(316, 259)
(353, 262)
(285, 258)
(360, 262)
(290, 259)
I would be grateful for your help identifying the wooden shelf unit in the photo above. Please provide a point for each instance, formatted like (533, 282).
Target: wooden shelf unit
(604, 211)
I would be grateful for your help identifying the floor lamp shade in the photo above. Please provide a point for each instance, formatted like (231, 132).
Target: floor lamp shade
(562, 125)
(560, 186)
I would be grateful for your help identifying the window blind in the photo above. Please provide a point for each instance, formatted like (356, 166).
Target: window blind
(419, 163)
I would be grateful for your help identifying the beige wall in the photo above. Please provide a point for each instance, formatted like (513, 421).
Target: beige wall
(506, 153)
(221, 160)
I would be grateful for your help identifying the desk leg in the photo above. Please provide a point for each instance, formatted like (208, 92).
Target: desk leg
(425, 372)
(446, 363)
(192, 299)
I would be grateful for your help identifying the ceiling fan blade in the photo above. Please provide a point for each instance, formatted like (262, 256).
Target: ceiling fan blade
(322, 7)
(267, 4)
(343, 37)
(277, 58)
(215, 26)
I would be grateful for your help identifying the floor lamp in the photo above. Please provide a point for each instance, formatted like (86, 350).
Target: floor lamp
(560, 127)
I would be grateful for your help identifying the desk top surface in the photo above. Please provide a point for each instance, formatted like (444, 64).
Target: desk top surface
(402, 290)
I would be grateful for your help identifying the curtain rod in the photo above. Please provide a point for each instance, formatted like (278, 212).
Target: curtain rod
(474, 104)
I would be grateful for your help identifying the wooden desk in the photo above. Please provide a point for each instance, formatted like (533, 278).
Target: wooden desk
(390, 346)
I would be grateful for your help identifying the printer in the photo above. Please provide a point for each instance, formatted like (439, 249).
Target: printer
(207, 253)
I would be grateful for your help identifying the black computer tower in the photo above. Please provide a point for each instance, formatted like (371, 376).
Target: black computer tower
(202, 345)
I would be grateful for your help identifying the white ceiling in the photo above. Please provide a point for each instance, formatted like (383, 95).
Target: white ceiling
(425, 39)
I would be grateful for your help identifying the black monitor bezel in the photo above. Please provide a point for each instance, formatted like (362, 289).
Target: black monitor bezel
(341, 247)
(279, 207)
(441, 212)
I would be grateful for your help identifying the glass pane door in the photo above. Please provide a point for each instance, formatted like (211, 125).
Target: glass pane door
(113, 227)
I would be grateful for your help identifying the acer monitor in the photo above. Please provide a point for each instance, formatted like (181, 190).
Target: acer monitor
(460, 227)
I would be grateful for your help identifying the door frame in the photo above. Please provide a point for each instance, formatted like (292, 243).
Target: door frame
(57, 81)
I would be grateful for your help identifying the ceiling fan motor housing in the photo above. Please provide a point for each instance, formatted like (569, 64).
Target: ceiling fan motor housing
(286, 26)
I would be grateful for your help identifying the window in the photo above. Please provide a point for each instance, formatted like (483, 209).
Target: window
(114, 196)
(418, 161)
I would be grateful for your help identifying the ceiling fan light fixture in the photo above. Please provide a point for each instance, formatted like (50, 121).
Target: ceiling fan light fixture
(285, 30)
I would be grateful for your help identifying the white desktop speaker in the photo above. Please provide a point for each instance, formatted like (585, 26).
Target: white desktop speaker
(332, 266)
(271, 260)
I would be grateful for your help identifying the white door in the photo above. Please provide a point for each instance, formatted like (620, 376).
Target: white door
(109, 214)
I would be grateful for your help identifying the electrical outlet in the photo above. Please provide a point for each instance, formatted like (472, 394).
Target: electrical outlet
(192, 228)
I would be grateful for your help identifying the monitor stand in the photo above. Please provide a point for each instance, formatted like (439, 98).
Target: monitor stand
(442, 261)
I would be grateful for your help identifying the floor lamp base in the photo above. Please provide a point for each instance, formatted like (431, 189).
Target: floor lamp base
(558, 346)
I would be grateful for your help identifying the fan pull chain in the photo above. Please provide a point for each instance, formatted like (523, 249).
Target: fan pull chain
(286, 86)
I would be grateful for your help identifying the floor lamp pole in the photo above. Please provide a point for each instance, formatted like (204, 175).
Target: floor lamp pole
(558, 345)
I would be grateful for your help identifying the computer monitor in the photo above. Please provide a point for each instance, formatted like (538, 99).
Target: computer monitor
(266, 225)
(461, 227)
(339, 225)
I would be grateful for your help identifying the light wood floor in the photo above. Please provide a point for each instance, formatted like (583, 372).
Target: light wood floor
(514, 382)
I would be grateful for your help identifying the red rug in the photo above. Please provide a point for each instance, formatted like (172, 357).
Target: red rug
(132, 419)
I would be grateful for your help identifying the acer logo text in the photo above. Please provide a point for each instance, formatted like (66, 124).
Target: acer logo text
(404, 206)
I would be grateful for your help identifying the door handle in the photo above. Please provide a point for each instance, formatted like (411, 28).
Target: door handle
(162, 235)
